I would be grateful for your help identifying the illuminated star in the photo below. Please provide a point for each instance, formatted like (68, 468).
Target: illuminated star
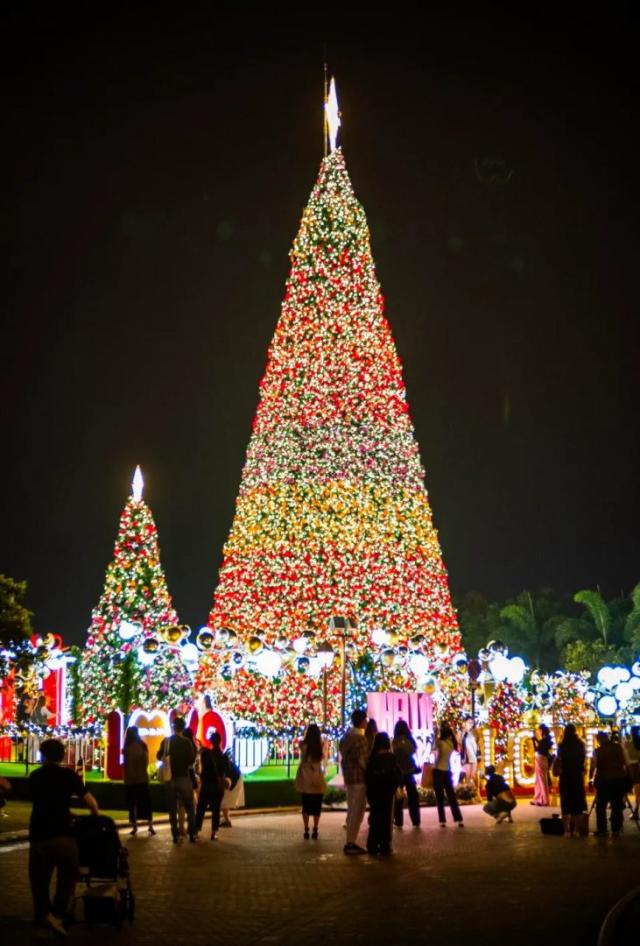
(138, 485)
(333, 115)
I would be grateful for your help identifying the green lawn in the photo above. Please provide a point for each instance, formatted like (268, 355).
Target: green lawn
(19, 811)
(17, 770)
(276, 773)
(268, 773)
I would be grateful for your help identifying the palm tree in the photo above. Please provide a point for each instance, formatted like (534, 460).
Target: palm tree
(535, 631)
(597, 608)
(632, 624)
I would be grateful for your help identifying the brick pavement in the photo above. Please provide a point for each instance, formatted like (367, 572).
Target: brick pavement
(262, 884)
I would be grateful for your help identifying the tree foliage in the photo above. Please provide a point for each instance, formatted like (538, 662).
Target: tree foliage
(15, 618)
(553, 631)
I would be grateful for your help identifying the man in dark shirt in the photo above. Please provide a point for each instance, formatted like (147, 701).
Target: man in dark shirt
(182, 754)
(500, 800)
(52, 845)
(608, 771)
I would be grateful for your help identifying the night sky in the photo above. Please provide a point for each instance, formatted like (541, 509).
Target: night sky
(155, 172)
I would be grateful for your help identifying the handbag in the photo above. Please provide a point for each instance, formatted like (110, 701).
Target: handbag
(427, 775)
(164, 773)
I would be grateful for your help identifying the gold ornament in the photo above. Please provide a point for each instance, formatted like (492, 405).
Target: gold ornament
(254, 644)
(430, 686)
(387, 658)
(172, 633)
(151, 645)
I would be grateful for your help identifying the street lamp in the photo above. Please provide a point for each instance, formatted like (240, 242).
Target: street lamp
(326, 656)
(341, 626)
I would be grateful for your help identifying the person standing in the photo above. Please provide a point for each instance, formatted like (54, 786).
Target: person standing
(354, 753)
(609, 775)
(234, 795)
(215, 778)
(136, 780)
(500, 798)
(470, 753)
(383, 777)
(542, 749)
(569, 765)
(371, 731)
(446, 745)
(181, 754)
(310, 780)
(194, 775)
(632, 754)
(404, 749)
(51, 842)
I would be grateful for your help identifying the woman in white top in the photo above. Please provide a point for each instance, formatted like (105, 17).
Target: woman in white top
(446, 745)
(310, 780)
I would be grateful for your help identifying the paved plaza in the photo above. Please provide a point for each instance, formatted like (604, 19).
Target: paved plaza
(261, 883)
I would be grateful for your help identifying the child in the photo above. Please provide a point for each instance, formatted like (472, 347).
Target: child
(383, 778)
(500, 800)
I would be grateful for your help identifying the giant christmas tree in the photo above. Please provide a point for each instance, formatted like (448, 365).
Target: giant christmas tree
(332, 517)
(132, 654)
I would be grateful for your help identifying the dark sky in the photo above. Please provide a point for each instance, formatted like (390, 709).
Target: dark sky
(155, 173)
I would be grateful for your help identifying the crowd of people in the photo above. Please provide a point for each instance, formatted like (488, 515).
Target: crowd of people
(378, 771)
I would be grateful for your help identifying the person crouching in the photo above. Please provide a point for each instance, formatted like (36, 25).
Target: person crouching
(382, 778)
(500, 798)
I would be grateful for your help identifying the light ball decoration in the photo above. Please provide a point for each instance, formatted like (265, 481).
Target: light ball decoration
(387, 657)
(607, 706)
(255, 644)
(205, 639)
(269, 663)
(172, 634)
(429, 686)
(419, 665)
(190, 655)
(624, 692)
(236, 658)
(498, 647)
(128, 630)
(151, 645)
(379, 636)
(499, 666)
(417, 642)
(517, 670)
(392, 638)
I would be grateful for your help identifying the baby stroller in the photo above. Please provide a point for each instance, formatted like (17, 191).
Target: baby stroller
(104, 887)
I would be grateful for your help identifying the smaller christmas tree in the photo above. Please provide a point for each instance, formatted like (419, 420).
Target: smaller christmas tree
(132, 655)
